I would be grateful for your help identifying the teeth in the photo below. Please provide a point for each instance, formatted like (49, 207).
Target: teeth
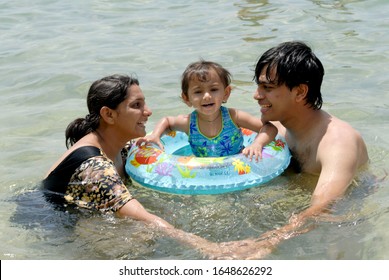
(265, 106)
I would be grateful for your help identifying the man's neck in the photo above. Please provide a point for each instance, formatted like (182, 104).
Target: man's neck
(305, 124)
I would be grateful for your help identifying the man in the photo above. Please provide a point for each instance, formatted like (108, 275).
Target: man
(289, 78)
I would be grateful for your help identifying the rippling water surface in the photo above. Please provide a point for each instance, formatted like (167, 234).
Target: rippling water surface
(51, 51)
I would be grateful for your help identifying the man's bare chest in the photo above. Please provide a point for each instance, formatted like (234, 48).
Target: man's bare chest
(304, 157)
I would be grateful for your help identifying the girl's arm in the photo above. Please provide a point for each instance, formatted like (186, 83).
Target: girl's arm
(266, 132)
(166, 124)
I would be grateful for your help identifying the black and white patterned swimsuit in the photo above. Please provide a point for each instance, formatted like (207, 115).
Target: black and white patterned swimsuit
(89, 179)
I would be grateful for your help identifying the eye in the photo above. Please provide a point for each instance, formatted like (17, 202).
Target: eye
(136, 105)
(267, 86)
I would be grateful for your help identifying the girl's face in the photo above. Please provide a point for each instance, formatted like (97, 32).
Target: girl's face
(207, 96)
(132, 114)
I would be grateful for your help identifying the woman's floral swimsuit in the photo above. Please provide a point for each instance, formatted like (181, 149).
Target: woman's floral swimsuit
(89, 179)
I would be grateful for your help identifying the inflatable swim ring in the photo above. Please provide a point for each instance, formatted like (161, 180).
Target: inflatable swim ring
(177, 171)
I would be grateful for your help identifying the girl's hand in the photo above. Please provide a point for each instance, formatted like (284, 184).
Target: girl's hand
(150, 139)
(254, 150)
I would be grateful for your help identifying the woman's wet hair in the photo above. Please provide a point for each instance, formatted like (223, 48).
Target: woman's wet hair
(294, 63)
(109, 91)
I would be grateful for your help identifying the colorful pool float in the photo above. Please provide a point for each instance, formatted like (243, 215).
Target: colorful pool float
(177, 171)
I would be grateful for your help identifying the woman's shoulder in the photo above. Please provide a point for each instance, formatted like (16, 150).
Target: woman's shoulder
(76, 151)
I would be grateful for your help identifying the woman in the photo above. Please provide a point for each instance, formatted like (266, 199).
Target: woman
(91, 174)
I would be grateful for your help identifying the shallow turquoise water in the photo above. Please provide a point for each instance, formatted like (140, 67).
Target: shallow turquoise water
(52, 50)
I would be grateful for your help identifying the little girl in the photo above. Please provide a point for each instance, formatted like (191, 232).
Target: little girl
(213, 130)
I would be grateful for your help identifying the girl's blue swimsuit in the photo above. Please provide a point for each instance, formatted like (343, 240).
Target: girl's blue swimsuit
(229, 141)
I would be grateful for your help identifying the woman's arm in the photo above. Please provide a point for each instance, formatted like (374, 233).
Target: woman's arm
(243, 249)
(135, 210)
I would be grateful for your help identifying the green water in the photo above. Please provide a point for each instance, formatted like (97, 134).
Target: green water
(51, 51)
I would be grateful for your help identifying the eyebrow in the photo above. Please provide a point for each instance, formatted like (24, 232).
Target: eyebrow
(137, 99)
(194, 87)
(267, 82)
(201, 84)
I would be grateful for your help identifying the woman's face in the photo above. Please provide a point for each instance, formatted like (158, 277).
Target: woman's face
(132, 114)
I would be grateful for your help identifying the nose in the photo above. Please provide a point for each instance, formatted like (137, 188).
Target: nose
(147, 111)
(258, 95)
(207, 95)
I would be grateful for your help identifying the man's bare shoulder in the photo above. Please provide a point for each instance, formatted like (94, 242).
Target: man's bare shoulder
(340, 131)
(344, 140)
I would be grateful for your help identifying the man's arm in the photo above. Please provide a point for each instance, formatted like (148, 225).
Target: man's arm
(339, 157)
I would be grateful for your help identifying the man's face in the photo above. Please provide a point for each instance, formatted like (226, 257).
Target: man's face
(275, 100)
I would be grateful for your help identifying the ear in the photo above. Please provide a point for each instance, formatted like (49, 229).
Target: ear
(301, 92)
(186, 99)
(227, 92)
(108, 115)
